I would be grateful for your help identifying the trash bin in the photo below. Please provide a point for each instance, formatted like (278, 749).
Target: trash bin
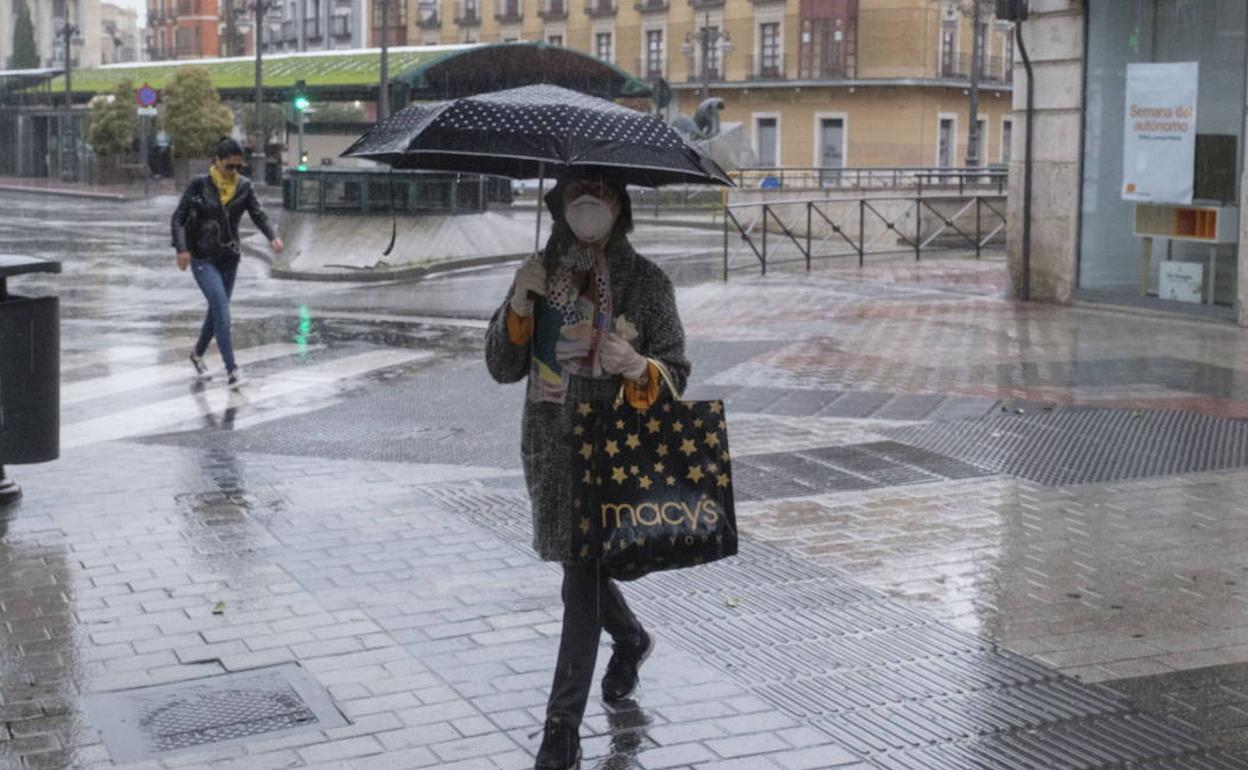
(30, 372)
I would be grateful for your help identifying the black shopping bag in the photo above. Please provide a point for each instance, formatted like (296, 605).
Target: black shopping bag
(654, 487)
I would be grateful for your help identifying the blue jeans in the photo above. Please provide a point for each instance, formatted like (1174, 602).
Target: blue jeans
(217, 284)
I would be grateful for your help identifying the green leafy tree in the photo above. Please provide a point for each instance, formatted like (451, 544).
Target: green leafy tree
(193, 114)
(273, 119)
(25, 56)
(113, 121)
(336, 112)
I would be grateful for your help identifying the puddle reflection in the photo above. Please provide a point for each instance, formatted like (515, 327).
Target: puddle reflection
(627, 722)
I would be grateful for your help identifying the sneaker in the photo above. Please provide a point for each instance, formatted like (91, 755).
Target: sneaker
(236, 379)
(622, 670)
(561, 746)
(201, 369)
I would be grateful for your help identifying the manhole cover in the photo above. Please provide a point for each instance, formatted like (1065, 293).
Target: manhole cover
(150, 721)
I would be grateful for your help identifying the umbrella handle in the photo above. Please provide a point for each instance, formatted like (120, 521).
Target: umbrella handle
(541, 185)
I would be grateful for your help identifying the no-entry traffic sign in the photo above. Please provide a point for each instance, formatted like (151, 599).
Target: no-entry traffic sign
(147, 96)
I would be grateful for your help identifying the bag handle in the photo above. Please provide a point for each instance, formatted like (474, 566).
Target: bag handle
(664, 375)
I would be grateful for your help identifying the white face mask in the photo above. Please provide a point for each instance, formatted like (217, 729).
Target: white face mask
(590, 218)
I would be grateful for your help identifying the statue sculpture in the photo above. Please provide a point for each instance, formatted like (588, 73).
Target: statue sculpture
(727, 143)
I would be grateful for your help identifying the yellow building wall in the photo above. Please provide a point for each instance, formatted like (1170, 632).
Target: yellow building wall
(887, 125)
(884, 126)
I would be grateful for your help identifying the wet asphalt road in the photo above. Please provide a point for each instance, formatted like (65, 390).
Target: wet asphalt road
(387, 371)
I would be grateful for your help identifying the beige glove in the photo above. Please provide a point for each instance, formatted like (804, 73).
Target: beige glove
(618, 357)
(531, 277)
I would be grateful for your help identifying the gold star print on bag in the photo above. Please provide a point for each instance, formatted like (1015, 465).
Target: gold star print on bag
(655, 489)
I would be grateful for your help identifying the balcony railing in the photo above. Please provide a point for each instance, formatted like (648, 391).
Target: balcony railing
(706, 3)
(648, 69)
(597, 9)
(771, 67)
(650, 6)
(509, 12)
(553, 10)
(468, 17)
(714, 73)
(823, 65)
(992, 69)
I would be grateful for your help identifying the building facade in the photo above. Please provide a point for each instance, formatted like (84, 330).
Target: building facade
(316, 25)
(120, 39)
(816, 83)
(183, 29)
(49, 17)
(1092, 237)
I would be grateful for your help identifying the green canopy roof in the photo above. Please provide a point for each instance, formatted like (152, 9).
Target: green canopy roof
(280, 71)
(428, 72)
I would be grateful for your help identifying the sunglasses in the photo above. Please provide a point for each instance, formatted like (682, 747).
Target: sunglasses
(233, 166)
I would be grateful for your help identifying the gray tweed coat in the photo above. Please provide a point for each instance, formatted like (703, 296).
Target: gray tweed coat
(642, 292)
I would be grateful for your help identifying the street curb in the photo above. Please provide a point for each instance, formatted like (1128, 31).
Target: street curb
(368, 275)
(64, 193)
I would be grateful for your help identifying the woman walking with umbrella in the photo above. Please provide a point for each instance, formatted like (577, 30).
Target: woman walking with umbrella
(205, 234)
(581, 319)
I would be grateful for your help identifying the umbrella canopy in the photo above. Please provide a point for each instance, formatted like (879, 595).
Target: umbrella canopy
(535, 131)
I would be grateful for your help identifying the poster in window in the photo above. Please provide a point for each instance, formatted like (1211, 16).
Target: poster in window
(1159, 132)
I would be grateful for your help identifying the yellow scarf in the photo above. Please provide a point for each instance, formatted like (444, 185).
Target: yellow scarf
(225, 186)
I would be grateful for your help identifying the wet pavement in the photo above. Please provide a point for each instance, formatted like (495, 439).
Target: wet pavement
(975, 533)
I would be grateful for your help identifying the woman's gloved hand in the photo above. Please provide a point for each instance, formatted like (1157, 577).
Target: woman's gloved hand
(531, 277)
(618, 357)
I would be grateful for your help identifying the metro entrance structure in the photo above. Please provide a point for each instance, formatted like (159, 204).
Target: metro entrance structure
(31, 101)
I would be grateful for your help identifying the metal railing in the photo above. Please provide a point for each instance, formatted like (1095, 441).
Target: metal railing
(360, 191)
(992, 69)
(991, 178)
(554, 9)
(770, 67)
(596, 9)
(802, 231)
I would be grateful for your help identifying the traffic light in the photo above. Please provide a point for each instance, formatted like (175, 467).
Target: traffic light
(301, 102)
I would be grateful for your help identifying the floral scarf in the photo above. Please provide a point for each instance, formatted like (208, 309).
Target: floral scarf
(569, 330)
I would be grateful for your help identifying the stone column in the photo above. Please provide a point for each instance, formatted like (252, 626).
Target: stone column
(1241, 267)
(1054, 39)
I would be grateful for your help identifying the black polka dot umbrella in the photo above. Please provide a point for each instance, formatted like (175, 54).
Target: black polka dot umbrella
(537, 131)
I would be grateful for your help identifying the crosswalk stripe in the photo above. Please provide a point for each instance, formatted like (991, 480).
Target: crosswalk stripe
(146, 353)
(180, 409)
(133, 379)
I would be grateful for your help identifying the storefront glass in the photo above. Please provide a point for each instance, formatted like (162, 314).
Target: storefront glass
(1212, 33)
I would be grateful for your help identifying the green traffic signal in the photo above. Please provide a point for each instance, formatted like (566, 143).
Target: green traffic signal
(301, 102)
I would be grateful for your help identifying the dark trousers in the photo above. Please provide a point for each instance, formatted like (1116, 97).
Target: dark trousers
(217, 284)
(591, 602)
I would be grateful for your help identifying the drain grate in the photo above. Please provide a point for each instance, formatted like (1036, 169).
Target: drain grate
(1086, 445)
(153, 721)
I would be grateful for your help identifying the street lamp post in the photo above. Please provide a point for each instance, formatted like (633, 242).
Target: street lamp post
(704, 38)
(973, 139)
(68, 36)
(383, 94)
(259, 7)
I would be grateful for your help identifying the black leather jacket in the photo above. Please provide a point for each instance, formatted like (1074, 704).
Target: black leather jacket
(202, 226)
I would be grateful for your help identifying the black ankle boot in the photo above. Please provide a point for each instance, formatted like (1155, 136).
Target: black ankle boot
(561, 746)
(623, 670)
